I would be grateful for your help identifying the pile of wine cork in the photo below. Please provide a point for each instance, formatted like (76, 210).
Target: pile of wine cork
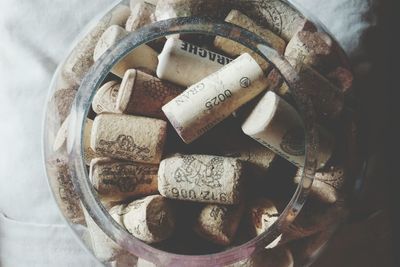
(163, 137)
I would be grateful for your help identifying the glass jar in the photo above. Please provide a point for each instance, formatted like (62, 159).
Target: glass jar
(79, 77)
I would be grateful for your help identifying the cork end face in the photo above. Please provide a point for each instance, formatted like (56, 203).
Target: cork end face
(261, 116)
(110, 37)
(61, 136)
(160, 218)
(165, 57)
(126, 90)
(102, 96)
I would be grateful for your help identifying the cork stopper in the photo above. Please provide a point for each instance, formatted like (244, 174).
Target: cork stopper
(112, 136)
(119, 180)
(219, 223)
(143, 94)
(233, 48)
(276, 124)
(185, 64)
(106, 97)
(150, 219)
(142, 56)
(201, 178)
(205, 104)
(142, 14)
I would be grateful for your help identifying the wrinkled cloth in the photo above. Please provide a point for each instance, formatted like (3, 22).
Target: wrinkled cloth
(35, 36)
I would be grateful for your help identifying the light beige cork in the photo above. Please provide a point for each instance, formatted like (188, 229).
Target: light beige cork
(106, 97)
(143, 263)
(185, 64)
(143, 94)
(234, 49)
(219, 223)
(276, 124)
(167, 9)
(281, 18)
(327, 183)
(62, 136)
(263, 214)
(117, 180)
(342, 78)
(150, 219)
(201, 178)
(142, 14)
(206, 103)
(129, 137)
(277, 257)
(141, 57)
(65, 194)
(314, 49)
(81, 58)
(62, 100)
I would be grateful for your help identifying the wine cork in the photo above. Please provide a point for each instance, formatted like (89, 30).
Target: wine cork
(201, 178)
(327, 183)
(62, 100)
(150, 219)
(234, 49)
(167, 9)
(128, 137)
(62, 136)
(141, 14)
(119, 180)
(67, 199)
(280, 17)
(143, 263)
(106, 97)
(219, 223)
(314, 49)
(141, 57)
(327, 99)
(143, 94)
(207, 103)
(277, 125)
(81, 58)
(342, 78)
(186, 64)
(277, 257)
(263, 214)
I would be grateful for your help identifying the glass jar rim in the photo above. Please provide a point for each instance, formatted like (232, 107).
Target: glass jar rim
(99, 71)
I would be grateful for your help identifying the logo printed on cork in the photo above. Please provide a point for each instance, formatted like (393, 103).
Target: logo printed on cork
(293, 142)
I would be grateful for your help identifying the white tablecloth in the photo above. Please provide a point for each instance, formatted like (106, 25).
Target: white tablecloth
(34, 36)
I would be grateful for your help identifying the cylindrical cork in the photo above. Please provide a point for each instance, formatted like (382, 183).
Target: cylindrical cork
(142, 56)
(143, 94)
(263, 214)
(277, 257)
(65, 194)
(81, 58)
(119, 180)
(314, 49)
(278, 16)
(327, 99)
(62, 136)
(167, 9)
(327, 183)
(186, 64)
(219, 223)
(62, 100)
(143, 263)
(205, 104)
(276, 124)
(142, 14)
(150, 219)
(129, 137)
(201, 178)
(233, 48)
(106, 97)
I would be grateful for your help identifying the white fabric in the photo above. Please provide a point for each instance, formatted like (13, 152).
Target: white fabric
(34, 36)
